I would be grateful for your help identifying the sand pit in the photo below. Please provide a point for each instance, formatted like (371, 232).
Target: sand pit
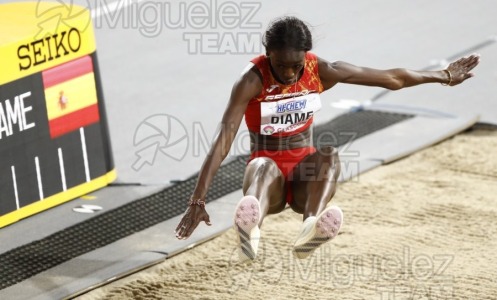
(419, 228)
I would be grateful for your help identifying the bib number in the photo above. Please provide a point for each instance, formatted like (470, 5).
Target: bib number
(289, 114)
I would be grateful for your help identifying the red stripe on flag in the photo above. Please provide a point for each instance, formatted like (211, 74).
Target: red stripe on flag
(67, 71)
(74, 121)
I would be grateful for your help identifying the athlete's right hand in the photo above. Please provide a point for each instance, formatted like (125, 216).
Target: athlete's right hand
(193, 216)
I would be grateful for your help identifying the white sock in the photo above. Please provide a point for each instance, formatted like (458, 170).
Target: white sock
(306, 226)
(308, 221)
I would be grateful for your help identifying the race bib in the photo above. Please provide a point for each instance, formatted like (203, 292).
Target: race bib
(288, 115)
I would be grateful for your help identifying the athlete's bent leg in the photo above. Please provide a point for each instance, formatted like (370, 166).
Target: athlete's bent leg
(314, 183)
(264, 180)
(263, 187)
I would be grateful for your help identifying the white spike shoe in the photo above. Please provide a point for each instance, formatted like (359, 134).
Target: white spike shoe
(246, 223)
(317, 231)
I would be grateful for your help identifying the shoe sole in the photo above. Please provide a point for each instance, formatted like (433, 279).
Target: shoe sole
(246, 222)
(326, 227)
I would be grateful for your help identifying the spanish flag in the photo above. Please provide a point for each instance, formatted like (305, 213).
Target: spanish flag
(71, 96)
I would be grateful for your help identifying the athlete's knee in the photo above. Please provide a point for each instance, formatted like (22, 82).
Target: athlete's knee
(329, 154)
(329, 151)
(330, 160)
(263, 166)
(335, 161)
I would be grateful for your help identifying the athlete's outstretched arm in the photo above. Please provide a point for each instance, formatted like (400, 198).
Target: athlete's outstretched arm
(248, 86)
(456, 72)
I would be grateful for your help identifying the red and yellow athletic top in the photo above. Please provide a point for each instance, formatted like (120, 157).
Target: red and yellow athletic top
(284, 110)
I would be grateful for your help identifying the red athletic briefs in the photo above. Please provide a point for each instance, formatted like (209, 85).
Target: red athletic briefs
(286, 160)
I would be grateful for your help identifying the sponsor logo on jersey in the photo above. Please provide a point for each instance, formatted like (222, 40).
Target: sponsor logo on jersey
(287, 95)
(268, 129)
(272, 88)
(291, 106)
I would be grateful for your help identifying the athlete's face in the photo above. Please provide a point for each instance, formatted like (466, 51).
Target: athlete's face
(287, 64)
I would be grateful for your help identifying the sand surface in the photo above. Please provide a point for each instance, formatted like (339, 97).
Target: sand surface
(420, 228)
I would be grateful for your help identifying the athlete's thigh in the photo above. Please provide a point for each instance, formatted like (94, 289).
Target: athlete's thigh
(319, 170)
(265, 174)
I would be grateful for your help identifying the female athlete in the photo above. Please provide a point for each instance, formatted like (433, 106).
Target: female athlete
(278, 94)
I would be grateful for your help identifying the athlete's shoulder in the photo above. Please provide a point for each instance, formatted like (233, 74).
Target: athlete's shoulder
(259, 59)
(311, 55)
(260, 67)
(312, 62)
(249, 81)
(251, 74)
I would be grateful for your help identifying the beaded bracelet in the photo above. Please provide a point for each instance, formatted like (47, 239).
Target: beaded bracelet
(450, 77)
(199, 202)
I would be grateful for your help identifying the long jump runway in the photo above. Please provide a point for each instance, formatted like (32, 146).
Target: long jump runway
(419, 227)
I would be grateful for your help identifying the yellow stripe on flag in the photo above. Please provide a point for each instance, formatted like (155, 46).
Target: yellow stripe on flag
(70, 96)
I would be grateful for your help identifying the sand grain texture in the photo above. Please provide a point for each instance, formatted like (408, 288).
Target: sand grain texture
(420, 228)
